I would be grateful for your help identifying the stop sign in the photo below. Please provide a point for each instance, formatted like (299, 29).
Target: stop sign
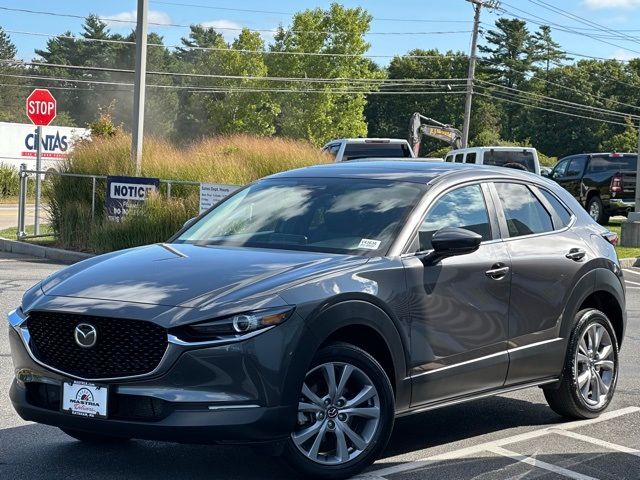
(41, 107)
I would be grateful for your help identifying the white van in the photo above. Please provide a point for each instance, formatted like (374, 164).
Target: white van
(523, 158)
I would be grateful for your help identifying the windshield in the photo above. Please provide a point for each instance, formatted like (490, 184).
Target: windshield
(348, 215)
(501, 158)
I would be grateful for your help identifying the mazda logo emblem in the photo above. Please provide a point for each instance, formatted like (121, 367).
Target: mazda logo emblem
(86, 335)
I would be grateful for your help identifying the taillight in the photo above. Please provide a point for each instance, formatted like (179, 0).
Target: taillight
(616, 184)
(611, 237)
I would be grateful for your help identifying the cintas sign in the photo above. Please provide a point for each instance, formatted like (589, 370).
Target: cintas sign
(41, 107)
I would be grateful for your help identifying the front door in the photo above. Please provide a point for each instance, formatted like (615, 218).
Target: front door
(459, 306)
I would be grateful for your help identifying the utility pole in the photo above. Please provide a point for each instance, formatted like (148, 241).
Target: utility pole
(137, 131)
(630, 232)
(477, 6)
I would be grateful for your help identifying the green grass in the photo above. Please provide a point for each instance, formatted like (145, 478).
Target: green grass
(11, 234)
(615, 225)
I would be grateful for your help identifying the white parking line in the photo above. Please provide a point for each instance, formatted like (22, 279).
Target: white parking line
(632, 283)
(628, 270)
(600, 443)
(534, 462)
(475, 449)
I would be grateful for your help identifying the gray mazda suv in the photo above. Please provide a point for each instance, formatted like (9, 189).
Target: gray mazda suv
(309, 309)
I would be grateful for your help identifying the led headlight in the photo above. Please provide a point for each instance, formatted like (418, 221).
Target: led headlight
(235, 326)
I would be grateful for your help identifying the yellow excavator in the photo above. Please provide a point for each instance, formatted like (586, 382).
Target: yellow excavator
(421, 125)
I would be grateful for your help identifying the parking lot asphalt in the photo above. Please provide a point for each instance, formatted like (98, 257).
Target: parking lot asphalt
(506, 437)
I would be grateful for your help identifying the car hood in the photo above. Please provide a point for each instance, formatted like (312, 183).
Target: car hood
(191, 275)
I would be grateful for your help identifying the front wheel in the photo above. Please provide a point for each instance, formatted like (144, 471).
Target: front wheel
(591, 368)
(345, 414)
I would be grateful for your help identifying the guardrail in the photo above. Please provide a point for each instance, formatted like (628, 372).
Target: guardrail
(22, 196)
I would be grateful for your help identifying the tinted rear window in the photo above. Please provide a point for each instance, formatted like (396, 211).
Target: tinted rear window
(601, 163)
(560, 209)
(354, 151)
(501, 158)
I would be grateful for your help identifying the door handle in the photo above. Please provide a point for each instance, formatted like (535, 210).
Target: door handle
(576, 254)
(497, 271)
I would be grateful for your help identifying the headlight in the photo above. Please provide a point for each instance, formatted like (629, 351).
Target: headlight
(234, 327)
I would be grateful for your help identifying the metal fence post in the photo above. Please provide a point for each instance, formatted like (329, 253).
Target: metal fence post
(22, 202)
(93, 197)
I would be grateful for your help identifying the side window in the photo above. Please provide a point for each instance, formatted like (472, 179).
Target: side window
(449, 158)
(471, 157)
(560, 209)
(462, 208)
(560, 169)
(576, 167)
(525, 214)
(332, 149)
(459, 157)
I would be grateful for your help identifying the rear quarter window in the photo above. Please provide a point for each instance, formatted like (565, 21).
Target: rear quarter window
(563, 214)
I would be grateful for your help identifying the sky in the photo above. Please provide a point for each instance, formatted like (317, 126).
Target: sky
(398, 25)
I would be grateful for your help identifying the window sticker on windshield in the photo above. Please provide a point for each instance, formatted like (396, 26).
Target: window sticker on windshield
(369, 244)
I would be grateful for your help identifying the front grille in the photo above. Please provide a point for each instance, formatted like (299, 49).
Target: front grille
(123, 348)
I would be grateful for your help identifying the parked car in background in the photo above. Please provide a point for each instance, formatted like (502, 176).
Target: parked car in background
(514, 157)
(603, 183)
(355, 148)
(336, 298)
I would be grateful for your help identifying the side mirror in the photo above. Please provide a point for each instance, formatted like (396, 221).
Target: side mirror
(189, 222)
(450, 242)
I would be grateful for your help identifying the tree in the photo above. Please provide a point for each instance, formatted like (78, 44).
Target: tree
(252, 111)
(546, 51)
(625, 141)
(338, 35)
(12, 94)
(511, 50)
(193, 57)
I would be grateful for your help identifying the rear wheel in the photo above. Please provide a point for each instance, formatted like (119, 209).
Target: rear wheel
(596, 210)
(345, 414)
(94, 438)
(591, 368)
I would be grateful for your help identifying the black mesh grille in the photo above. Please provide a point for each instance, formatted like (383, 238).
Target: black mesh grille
(123, 348)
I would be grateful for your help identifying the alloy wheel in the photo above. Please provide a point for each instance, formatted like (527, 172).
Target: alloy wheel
(594, 365)
(338, 413)
(594, 210)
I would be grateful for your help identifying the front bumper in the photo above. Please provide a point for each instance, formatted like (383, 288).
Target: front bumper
(234, 393)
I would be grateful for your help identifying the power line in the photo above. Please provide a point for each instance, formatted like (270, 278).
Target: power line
(233, 77)
(562, 102)
(246, 10)
(560, 27)
(258, 30)
(570, 89)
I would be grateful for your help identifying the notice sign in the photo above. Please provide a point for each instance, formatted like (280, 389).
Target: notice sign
(212, 193)
(125, 192)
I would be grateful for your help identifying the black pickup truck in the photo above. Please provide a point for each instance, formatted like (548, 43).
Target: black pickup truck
(604, 183)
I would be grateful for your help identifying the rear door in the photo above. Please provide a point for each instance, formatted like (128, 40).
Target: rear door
(546, 256)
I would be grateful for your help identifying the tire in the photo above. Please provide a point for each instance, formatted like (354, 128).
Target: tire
(93, 438)
(573, 398)
(595, 208)
(324, 418)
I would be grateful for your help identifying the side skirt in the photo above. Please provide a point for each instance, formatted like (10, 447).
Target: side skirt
(477, 396)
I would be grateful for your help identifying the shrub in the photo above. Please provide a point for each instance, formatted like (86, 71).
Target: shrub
(9, 181)
(237, 160)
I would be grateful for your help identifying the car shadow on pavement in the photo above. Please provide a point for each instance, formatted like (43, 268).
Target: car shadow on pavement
(465, 421)
(41, 452)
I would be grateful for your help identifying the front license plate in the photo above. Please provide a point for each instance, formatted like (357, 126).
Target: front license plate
(84, 399)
